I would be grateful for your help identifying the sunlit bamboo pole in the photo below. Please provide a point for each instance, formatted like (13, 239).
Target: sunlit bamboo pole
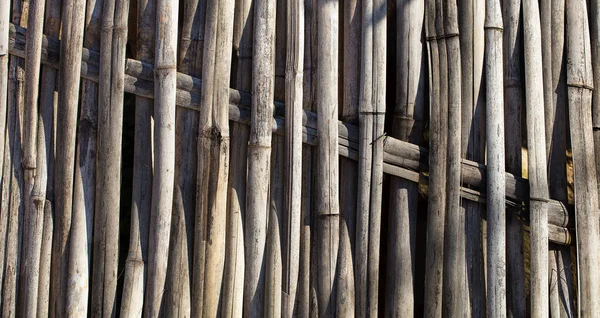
(4, 71)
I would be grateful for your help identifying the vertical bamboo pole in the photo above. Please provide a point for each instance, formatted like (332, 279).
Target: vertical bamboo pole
(273, 267)
(137, 257)
(595, 36)
(70, 67)
(110, 128)
(34, 210)
(537, 172)
(233, 282)
(345, 302)
(213, 160)
(85, 178)
(496, 220)
(4, 71)
(454, 236)
(437, 159)
(327, 198)
(580, 84)
(293, 153)
(407, 126)
(43, 302)
(165, 81)
(513, 98)
(179, 269)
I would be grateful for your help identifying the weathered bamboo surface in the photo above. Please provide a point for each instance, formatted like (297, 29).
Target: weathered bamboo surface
(299, 158)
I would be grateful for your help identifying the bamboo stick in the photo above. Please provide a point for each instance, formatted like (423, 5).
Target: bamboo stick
(580, 84)
(273, 267)
(407, 126)
(595, 36)
(454, 293)
(213, 159)
(293, 154)
(345, 301)
(179, 269)
(437, 160)
(327, 197)
(537, 170)
(110, 127)
(513, 96)
(45, 260)
(233, 282)
(85, 181)
(4, 71)
(496, 242)
(137, 257)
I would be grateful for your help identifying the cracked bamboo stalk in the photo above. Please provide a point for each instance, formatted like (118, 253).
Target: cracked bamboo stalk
(164, 157)
(580, 86)
(537, 171)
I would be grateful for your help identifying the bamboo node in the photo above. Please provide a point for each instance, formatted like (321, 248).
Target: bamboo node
(580, 85)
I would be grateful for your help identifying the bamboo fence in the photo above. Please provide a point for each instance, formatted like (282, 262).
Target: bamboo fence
(334, 158)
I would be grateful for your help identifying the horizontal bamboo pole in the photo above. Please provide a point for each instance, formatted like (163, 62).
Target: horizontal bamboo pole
(401, 159)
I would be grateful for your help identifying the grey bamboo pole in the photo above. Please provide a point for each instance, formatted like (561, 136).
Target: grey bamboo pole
(454, 293)
(73, 17)
(293, 154)
(580, 85)
(496, 220)
(136, 263)
(233, 282)
(165, 68)
(537, 171)
(437, 159)
(595, 36)
(85, 178)
(345, 300)
(213, 160)
(327, 165)
(33, 216)
(513, 99)
(45, 260)
(259, 153)
(179, 269)
(407, 126)
(4, 71)
(273, 267)
(110, 128)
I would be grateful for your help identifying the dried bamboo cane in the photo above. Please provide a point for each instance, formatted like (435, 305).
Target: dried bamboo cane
(45, 260)
(110, 127)
(536, 143)
(327, 198)
(4, 71)
(496, 219)
(179, 269)
(164, 141)
(407, 126)
(345, 305)
(293, 154)
(85, 178)
(595, 36)
(513, 95)
(454, 292)
(580, 85)
(137, 257)
(437, 160)
(213, 160)
(259, 152)
(233, 282)
(73, 15)
(273, 267)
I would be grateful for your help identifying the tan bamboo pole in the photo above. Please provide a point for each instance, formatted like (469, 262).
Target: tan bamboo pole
(85, 178)
(580, 85)
(454, 293)
(293, 153)
(233, 281)
(259, 153)
(108, 182)
(165, 69)
(73, 17)
(513, 99)
(537, 172)
(43, 302)
(408, 126)
(136, 263)
(213, 160)
(4, 71)
(179, 270)
(327, 197)
(345, 302)
(496, 220)
(437, 160)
